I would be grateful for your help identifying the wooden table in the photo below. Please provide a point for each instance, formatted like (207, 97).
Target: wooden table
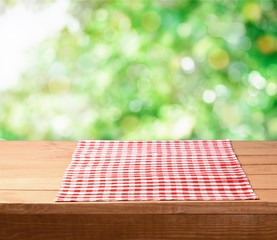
(30, 176)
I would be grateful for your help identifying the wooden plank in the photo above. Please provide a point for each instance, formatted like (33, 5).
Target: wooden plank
(18, 151)
(31, 173)
(40, 166)
(9, 146)
(146, 227)
(260, 169)
(263, 181)
(30, 183)
(253, 144)
(51, 180)
(14, 149)
(256, 151)
(166, 207)
(255, 148)
(257, 160)
(27, 196)
(58, 154)
(44, 162)
(269, 195)
(13, 174)
(38, 202)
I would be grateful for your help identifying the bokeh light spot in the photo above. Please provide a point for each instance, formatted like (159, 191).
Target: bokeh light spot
(202, 48)
(133, 40)
(151, 21)
(188, 65)
(218, 59)
(256, 80)
(183, 127)
(61, 125)
(230, 31)
(267, 44)
(209, 96)
(120, 21)
(221, 90)
(129, 123)
(184, 29)
(252, 12)
(135, 105)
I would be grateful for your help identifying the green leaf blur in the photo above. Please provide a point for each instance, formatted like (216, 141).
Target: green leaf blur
(162, 69)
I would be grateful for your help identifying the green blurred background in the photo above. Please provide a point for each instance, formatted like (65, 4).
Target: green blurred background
(160, 69)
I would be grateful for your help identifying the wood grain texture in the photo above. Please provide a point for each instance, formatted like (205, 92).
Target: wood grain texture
(260, 169)
(136, 227)
(41, 165)
(30, 176)
(263, 181)
(157, 208)
(258, 160)
(253, 144)
(256, 151)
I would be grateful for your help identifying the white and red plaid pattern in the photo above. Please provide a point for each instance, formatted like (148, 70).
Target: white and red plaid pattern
(154, 170)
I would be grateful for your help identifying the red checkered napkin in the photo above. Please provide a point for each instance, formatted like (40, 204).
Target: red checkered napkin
(154, 170)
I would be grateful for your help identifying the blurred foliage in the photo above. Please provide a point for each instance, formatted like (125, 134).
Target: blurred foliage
(163, 69)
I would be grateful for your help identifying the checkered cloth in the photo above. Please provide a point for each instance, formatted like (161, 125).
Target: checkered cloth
(154, 170)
